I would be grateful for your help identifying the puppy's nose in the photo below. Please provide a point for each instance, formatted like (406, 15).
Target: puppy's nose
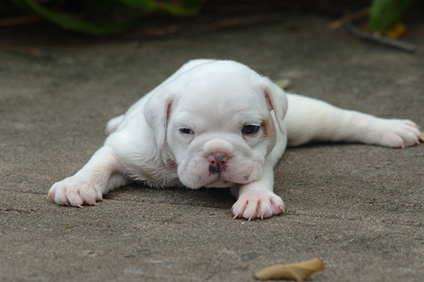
(217, 162)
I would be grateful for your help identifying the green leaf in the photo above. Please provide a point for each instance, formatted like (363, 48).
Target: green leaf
(96, 28)
(101, 13)
(186, 10)
(385, 13)
(144, 5)
(283, 83)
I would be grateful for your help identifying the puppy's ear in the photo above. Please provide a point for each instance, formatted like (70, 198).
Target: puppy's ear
(277, 102)
(156, 113)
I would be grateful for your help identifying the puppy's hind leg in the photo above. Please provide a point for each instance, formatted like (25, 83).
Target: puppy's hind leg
(89, 184)
(313, 120)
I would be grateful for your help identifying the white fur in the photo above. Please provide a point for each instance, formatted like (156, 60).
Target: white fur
(189, 130)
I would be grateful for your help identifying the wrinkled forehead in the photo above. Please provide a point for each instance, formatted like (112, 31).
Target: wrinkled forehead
(222, 98)
(220, 90)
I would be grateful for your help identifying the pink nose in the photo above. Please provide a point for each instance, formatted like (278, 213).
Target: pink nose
(217, 162)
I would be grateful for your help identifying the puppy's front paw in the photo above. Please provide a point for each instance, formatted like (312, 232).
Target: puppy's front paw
(400, 134)
(257, 204)
(74, 191)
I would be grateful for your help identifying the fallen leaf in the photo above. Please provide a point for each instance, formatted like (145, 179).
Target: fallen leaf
(395, 31)
(349, 18)
(297, 271)
(283, 83)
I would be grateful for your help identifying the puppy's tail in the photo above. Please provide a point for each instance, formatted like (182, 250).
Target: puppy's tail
(113, 124)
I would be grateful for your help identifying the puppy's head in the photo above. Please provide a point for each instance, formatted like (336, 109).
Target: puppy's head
(218, 121)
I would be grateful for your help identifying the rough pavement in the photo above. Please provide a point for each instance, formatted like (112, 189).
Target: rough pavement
(358, 208)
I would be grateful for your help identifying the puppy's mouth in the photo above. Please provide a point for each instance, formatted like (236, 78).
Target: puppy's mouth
(219, 183)
(218, 172)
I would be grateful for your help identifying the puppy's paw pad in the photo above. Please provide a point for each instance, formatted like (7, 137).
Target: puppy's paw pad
(254, 205)
(74, 192)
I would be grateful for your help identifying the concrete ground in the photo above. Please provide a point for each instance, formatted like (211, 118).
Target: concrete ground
(359, 208)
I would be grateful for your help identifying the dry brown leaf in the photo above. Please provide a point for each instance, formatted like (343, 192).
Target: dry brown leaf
(297, 271)
(422, 136)
(395, 31)
(349, 18)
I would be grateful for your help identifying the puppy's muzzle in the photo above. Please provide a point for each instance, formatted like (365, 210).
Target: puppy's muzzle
(217, 163)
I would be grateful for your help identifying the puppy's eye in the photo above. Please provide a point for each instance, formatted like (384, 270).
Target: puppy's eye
(186, 131)
(250, 129)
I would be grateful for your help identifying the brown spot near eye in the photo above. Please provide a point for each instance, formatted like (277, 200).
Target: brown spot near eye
(267, 128)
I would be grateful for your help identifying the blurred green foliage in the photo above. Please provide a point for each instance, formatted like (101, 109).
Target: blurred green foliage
(385, 13)
(106, 16)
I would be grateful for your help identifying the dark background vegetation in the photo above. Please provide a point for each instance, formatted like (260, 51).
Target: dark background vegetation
(150, 18)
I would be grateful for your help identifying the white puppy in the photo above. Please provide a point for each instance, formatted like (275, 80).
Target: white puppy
(219, 124)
